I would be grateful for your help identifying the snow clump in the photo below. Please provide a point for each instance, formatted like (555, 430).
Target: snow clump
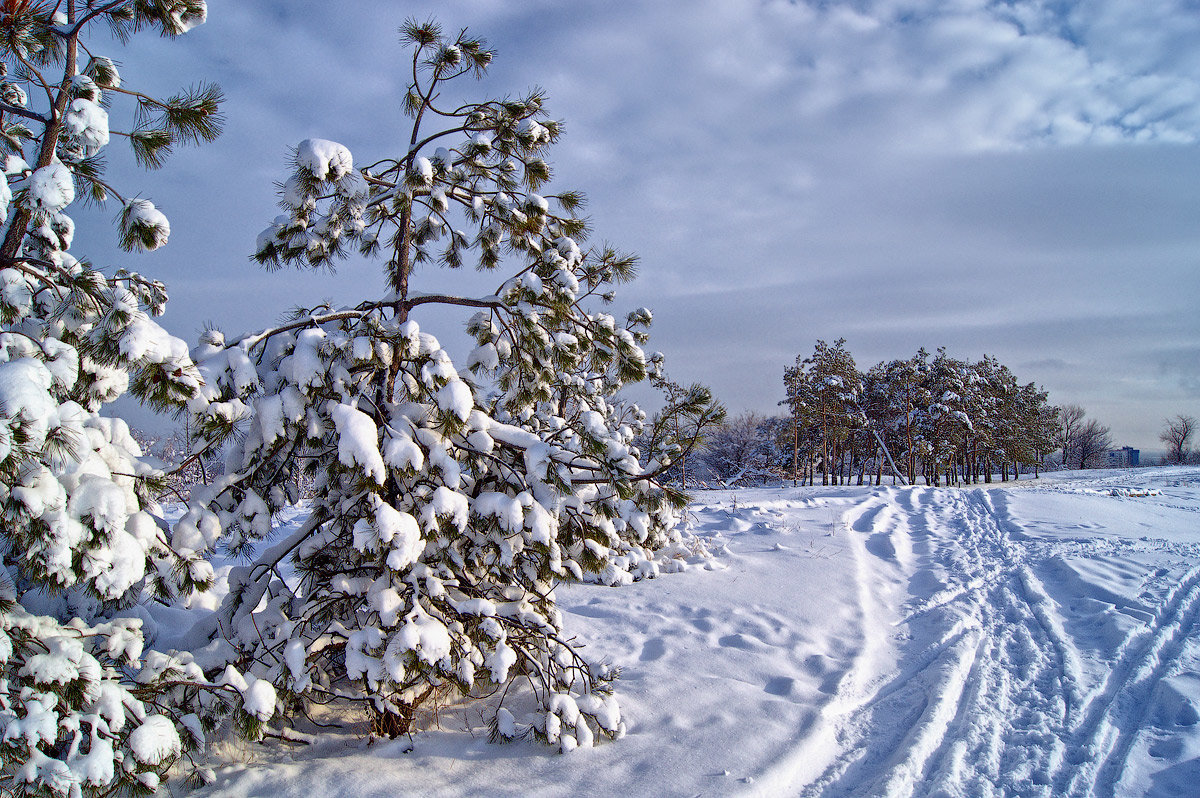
(51, 189)
(86, 126)
(144, 226)
(155, 741)
(324, 160)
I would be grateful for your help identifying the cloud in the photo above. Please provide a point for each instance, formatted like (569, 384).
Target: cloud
(1047, 365)
(1017, 178)
(1182, 365)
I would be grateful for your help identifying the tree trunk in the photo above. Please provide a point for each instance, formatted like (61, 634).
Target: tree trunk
(795, 451)
(20, 216)
(392, 724)
(824, 449)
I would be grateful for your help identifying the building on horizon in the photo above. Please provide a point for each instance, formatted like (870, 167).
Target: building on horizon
(1125, 457)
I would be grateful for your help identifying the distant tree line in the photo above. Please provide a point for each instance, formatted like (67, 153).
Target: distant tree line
(930, 418)
(934, 418)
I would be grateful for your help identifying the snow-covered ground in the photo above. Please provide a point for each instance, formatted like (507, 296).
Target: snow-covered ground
(1028, 639)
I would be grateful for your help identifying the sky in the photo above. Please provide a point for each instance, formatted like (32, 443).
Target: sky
(1019, 178)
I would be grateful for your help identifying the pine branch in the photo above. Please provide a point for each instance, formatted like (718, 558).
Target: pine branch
(17, 110)
(151, 147)
(194, 115)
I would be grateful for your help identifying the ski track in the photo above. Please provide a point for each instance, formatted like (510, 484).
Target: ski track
(967, 683)
(1101, 744)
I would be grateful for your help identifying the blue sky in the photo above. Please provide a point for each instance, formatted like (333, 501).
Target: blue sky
(1013, 178)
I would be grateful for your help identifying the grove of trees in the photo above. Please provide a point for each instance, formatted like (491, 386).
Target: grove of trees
(930, 418)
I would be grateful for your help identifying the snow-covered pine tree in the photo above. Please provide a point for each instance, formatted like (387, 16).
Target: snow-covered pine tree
(1040, 420)
(449, 503)
(84, 709)
(823, 389)
(947, 424)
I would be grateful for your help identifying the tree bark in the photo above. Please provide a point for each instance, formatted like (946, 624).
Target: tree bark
(21, 216)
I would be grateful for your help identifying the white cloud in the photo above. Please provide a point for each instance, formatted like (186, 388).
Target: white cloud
(787, 170)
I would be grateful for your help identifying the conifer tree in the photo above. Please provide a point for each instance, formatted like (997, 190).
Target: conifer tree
(909, 401)
(825, 388)
(450, 502)
(83, 707)
(1037, 421)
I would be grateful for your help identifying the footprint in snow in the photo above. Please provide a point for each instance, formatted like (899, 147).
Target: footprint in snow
(820, 666)
(703, 624)
(588, 611)
(739, 640)
(653, 649)
(781, 686)
(1174, 702)
(880, 544)
(1169, 748)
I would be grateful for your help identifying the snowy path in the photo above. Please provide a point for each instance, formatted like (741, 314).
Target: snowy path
(1008, 640)
(978, 694)
(979, 689)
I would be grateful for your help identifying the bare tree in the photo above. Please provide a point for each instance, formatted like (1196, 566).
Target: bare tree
(1177, 435)
(1070, 422)
(1091, 442)
(739, 450)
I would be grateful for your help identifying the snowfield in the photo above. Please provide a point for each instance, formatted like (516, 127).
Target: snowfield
(1019, 639)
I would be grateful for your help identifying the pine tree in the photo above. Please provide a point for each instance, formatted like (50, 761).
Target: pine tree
(824, 390)
(947, 424)
(1037, 422)
(449, 503)
(800, 401)
(83, 708)
(945, 418)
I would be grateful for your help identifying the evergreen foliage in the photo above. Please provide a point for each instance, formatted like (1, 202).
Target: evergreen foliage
(449, 503)
(937, 418)
(83, 707)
